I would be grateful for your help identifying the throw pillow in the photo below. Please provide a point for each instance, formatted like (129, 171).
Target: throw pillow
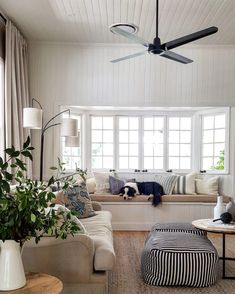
(60, 208)
(115, 185)
(185, 184)
(102, 182)
(208, 186)
(167, 182)
(133, 185)
(78, 200)
(91, 185)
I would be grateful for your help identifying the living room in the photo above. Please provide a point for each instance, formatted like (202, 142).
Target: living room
(150, 114)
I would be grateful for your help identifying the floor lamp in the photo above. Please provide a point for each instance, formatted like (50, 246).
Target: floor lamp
(33, 119)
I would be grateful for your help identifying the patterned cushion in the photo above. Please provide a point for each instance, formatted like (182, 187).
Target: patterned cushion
(78, 200)
(185, 184)
(167, 182)
(115, 185)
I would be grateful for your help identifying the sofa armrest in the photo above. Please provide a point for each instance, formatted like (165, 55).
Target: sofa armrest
(71, 260)
(96, 205)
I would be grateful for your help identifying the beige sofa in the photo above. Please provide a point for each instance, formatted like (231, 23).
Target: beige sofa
(81, 262)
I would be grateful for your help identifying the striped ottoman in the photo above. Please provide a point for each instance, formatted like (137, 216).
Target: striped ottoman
(177, 227)
(179, 259)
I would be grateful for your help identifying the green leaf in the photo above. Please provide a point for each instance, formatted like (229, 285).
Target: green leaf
(5, 166)
(33, 217)
(53, 168)
(15, 154)
(27, 154)
(50, 231)
(30, 148)
(1, 162)
(5, 186)
(19, 174)
(3, 204)
(20, 163)
(26, 143)
(9, 151)
(51, 181)
(8, 176)
(13, 165)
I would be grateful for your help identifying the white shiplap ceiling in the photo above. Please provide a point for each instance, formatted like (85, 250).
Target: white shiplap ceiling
(88, 20)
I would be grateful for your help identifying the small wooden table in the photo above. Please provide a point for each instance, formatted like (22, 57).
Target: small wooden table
(38, 283)
(203, 224)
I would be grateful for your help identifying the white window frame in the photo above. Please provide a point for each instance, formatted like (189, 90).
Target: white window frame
(167, 131)
(82, 139)
(90, 140)
(214, 112)
(165, 148)
(116, 143)
(196, 132)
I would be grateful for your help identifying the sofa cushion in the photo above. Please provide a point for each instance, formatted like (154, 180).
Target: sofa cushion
(165, 198)
(185, 184)
(115, 185)
(77, 199)
(208, 186)
(102, 182)
(99, 228)
(167, 182)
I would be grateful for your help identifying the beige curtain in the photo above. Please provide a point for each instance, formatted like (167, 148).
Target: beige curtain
(16, 88)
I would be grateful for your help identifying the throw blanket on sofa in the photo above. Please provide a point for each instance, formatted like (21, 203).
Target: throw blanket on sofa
(153, 188)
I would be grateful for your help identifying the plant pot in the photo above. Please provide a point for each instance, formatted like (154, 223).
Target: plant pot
(12, 274)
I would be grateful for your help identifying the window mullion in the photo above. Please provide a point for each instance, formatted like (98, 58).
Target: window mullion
(141, 143)
(166, 148)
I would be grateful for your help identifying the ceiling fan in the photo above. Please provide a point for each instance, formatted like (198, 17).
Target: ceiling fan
(156, 47)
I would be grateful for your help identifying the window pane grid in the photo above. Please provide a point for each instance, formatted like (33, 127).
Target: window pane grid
(213, 144)
(179, 142)
(153, 142)
(71, 156)
(102, 142)
(128, 142)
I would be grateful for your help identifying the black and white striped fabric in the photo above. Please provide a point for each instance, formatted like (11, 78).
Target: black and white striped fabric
(179, 259)
(177, 227)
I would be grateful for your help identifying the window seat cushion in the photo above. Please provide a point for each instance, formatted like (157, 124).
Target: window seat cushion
(165, 198)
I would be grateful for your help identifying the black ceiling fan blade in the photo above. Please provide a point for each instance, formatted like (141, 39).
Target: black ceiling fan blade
(128, 56)
(176, 57)
(189, 38)
(131, 37)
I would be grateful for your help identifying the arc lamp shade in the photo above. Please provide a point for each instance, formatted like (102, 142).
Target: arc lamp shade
(73, 141)
(32, 118)
(69, 127)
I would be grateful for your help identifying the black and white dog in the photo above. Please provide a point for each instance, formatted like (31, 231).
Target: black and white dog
(127, 192)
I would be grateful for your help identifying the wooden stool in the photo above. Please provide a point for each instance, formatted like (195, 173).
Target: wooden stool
(38, 283)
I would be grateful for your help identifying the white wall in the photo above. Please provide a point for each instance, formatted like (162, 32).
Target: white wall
(72, 74)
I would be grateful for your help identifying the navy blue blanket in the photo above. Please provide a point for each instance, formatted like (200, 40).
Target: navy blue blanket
(153, 188)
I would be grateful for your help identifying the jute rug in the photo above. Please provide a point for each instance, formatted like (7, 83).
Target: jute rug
(126, 275)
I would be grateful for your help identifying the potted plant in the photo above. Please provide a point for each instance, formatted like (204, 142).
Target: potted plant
(24, 214)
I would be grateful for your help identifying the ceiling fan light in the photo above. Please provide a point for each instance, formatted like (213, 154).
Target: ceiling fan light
(128, 27)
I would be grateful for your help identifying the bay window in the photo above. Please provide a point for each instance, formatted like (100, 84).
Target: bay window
(180, 141)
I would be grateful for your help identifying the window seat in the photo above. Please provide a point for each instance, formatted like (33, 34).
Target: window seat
(165, 198)
(139, 214)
